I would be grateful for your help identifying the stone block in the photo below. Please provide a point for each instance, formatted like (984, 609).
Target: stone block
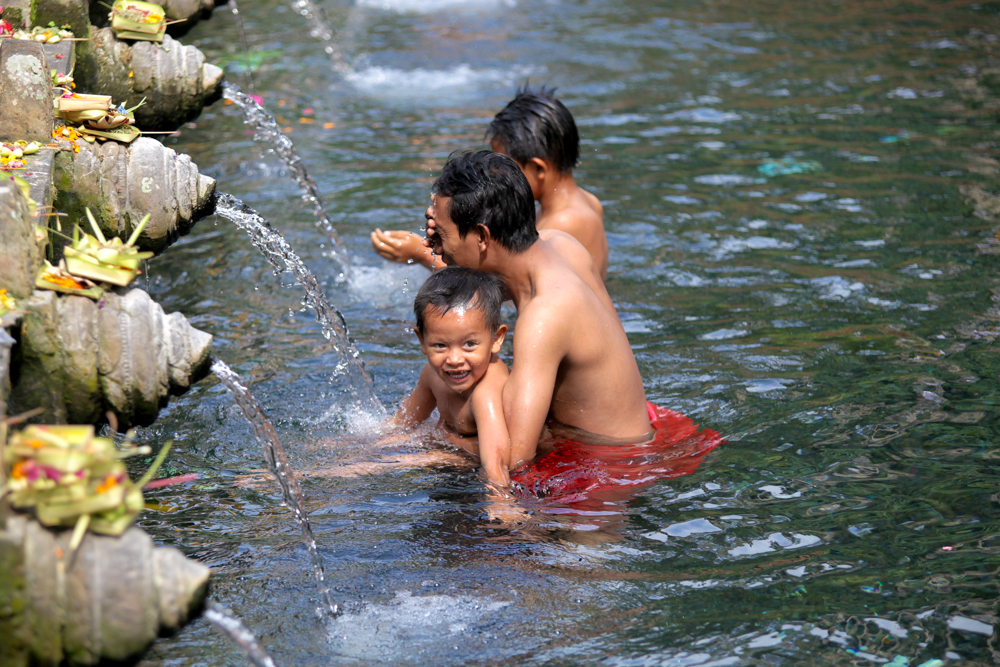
(25, 91)
(19, 254)
(61, 56)
(20, 13)
(14, 639)
(38, 173)
(74, 13)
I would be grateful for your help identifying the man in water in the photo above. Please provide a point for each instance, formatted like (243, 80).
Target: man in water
(539, 132)
(573, 365)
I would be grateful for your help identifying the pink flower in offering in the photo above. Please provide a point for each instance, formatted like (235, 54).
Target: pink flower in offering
(257, 98)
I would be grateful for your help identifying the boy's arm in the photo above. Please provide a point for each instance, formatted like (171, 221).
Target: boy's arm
(527, 395)
(419, 404)
(494, 441)
(405, 246)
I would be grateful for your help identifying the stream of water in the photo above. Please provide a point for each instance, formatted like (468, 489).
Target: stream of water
(360, 387)
(801, 206)
(238, 634)
(278, 466)
(266, 130)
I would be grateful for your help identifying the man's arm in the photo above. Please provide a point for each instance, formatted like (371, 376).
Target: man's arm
(529, 389)
(405, 246)
(419, 405)
(494, 441)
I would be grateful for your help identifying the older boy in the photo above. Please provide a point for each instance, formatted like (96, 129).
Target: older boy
(573, 364)
(538, 131)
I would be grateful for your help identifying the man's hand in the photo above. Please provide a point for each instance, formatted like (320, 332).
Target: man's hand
(404, 247)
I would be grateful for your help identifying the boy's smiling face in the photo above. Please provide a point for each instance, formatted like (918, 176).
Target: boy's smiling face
(459, 345)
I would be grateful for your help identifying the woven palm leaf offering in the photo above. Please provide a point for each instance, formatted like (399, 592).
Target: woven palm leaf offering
(99, 259)
(46, 35)
(132, 19)
(99, 117)
(67, 476)
(58, 279)
(70, 103)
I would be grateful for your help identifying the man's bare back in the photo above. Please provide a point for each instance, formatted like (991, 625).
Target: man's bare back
(572, 360)
(571, 353)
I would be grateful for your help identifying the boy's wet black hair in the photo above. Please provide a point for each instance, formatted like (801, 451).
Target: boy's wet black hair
(489, 189)
(458, 287)
(536, 124)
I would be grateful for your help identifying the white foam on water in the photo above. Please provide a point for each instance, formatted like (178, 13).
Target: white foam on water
(426, 84)
(413, 624)
(430, 6)
(387, 283)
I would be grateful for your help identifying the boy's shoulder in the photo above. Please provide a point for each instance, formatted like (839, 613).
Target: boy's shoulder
(490, 386)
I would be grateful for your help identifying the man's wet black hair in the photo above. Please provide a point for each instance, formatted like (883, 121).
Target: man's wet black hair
(536, 124)
(458, 287)
(489, 189)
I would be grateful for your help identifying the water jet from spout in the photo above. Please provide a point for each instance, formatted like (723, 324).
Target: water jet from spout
(277, 464)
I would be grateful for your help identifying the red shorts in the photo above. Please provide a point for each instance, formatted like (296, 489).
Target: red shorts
(577, 473)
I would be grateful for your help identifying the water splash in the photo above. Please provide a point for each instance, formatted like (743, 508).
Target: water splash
(266, 130)
(277, 251)
(238, 634)
(277, 464)
(323, 31)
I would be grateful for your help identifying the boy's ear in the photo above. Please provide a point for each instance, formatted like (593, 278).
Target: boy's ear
(498, 338)
(540, 167)
(420, 336)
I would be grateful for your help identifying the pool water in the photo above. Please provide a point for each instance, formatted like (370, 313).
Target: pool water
(800, 207)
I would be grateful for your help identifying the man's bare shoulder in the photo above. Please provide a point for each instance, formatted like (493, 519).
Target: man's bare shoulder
(593, 203)
(579, 219)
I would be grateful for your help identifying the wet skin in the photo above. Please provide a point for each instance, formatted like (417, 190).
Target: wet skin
(572, 359)
(464, 379)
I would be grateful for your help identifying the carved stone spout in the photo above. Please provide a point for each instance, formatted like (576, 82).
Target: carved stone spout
(122, 183)
(109, 602)
(79, 358)
(175, 79)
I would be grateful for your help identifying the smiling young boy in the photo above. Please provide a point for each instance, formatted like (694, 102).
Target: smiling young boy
(539, 133)
(459, 328)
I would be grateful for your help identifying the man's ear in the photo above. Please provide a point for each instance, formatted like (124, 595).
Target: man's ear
(485, 238)
(498, 338)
